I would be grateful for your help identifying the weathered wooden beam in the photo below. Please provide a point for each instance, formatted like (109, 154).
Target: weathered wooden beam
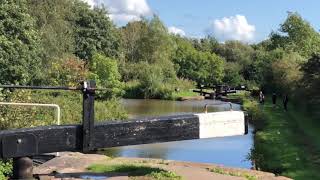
(33, 141)
(88, 115)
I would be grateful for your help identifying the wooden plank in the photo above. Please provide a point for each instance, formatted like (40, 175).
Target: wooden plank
(88, 115)
(48, 139)
(151, 130)
(110, 134)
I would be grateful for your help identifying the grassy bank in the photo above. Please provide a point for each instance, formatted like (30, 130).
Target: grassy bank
(173, 91)
(183, 94)
(134, 171)
(286, 143)
(231, 173)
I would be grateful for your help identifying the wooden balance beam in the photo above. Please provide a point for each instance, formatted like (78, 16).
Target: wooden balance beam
(23, 143)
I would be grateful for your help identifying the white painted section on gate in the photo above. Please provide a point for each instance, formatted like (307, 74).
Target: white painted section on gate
(221, 124)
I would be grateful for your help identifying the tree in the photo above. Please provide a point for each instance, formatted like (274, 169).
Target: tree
(207, 44)
(19, 44)
(298, 35)
(202, 67)
(235, 51)
(104, 71)
(286, 72)
(131, 35)
(155, 45)
(311, 82)
(147, 42)
(55, 31)
(94, 32)
(232, 75)
(67, 71)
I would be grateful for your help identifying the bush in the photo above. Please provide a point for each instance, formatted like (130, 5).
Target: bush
(5, 169)
(68, 71)
(133, 89)
(105, 72)
(256, 115)
(109, 110)
(185, 84)
(69, 102)
(153, 82)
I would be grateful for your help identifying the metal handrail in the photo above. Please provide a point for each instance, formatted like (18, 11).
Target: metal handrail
(217, 104)
(57, 107)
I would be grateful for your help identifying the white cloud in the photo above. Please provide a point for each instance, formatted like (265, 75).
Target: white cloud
(123, 11)
(90, 2)
(233, 28)
(176, 31)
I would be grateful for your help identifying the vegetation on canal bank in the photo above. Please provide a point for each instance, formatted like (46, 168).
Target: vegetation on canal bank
(5, 169)
(178, 89)
(69, 102)
(135, 171)
(233, 173)
(285, 143)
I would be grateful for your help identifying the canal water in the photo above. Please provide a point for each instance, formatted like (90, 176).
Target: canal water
(227, 151)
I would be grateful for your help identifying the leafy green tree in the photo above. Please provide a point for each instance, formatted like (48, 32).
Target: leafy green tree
(147, 40)
(148, 49)
(286, 72)
(207, 44)
(104, 71)
(94, 32)
(296, 34)
(55, 31)
(131, 36)
(232, 75)
(156, 45)
(310, 83)
(235, 51)
(19, 44)
(202, 67)
(256, 73)
(153, 81)
(67, 71)
(242, 57)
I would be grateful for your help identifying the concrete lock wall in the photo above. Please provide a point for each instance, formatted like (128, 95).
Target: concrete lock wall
(221, 124)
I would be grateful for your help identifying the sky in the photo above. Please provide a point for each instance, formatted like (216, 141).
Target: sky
(244, 20)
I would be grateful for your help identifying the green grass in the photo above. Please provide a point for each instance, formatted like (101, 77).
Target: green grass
(239, 94)
(288, 143)
(184, 93)
(135, 170)
(231, 173)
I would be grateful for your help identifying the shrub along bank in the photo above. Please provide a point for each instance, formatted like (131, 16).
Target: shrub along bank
(286, 143)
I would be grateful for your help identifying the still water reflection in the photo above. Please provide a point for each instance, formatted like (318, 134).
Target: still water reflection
(228, 151)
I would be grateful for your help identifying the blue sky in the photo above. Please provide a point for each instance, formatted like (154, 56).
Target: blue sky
(196, 18)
